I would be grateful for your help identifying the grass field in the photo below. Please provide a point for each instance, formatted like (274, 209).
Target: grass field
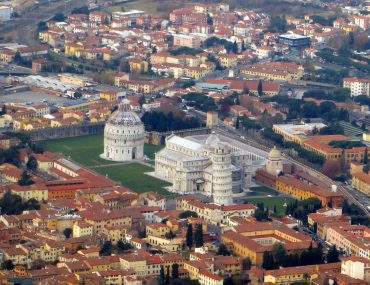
(271, 201)
(262, 191)
(133, 176)
(152, 7)
(86, 149)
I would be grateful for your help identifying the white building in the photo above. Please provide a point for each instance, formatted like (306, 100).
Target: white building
(215, 166)
(5, 13)
(358, 86)
(123, 135)
(356, 267)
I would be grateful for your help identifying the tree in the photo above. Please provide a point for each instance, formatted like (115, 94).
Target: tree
(42, 26)
(7, 265)
(187, 214)
(228, 281)
(260, 88)
(279, 253)
(237, 123)
(123, 246)
(189, 236)
(198, 236)
(58, 17)
(18, 58)
(141, 100)
(333, 255)
(366, 157)
(175, 271)
(245, 89)
(31, 163)
(222, 250)
(162, 274)
(25, 179)
(67, 232)
(168, 275)
(247, 263)
(106, 248)
(268, 261)
(331, 168)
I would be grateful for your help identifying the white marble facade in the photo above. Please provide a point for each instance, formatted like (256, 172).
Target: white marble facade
(213, 165)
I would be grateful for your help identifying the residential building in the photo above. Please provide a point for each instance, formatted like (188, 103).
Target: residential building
(358, 86)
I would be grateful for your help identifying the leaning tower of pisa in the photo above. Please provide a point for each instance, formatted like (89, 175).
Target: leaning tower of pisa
(222, 179)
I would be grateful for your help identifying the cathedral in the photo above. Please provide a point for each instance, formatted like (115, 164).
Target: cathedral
(213, 165)
(123, 135)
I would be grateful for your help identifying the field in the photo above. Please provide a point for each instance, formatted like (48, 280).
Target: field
(262, 191)
(86, 149)
(152, 7)
(271, 201)
(133, 176)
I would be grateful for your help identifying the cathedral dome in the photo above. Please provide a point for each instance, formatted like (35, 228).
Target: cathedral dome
(212, 141)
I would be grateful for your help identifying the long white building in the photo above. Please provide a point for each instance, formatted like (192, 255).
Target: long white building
(216, 166)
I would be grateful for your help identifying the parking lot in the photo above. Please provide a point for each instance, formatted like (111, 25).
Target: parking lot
(31, 97)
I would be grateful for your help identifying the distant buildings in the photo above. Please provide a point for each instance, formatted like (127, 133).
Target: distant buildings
(358, 86)
(5, 13)
(294, 40)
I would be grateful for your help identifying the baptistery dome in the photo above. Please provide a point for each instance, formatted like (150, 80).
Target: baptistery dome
(123, 135)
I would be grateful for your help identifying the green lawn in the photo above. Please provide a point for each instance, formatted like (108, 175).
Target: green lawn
(133, 176)
(86, 149)
(262, 191)
(271, 201)
(152, 7)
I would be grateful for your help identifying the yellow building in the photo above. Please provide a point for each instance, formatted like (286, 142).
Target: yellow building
(16, 254)
(36, 191)
(112, 277)
(134, 261)
(303, 191)
(81, 229)
(228, 60)
(194, 267)
(110, 95)
(115, 234)
(138, 65)
(280, 71)
(74, 79)
(99, 221)
(168, 245)
(72, 49)
(361, 182)
(157, 230)
(252, 239)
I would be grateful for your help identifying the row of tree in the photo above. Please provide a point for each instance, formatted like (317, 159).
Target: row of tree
(280, 257)
(194, 238)
(12, 204)
(161, 122)
(107, 247)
